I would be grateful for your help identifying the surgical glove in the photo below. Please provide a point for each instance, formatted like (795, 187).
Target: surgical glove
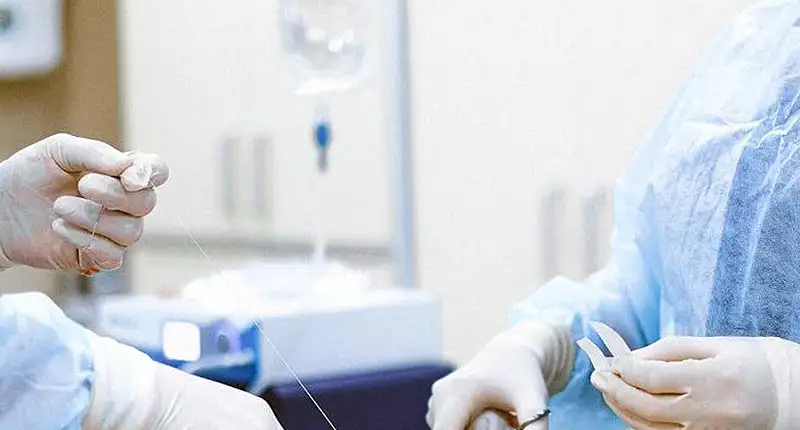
(494, 420)
(515, 372)
(74, 204)
(132, 392)
(703, 383)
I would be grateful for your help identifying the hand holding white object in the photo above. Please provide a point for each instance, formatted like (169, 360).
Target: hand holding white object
(74, 204)
(701, 382)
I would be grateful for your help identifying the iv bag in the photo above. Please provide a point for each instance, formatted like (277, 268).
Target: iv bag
(325, 43)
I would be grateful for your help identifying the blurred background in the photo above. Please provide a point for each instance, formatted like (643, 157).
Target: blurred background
(522, 116)
(481, 142)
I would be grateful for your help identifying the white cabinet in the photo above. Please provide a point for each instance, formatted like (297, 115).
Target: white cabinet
(206, 85)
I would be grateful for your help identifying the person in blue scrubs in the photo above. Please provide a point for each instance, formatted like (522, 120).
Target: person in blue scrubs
(704, 273)
(74, 204)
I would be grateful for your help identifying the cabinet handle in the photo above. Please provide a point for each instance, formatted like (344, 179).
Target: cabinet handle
(228, 175)
(262, 172)
(591, 233)
(553, 210)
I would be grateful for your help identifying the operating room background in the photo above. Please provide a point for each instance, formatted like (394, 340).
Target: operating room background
(511, 102)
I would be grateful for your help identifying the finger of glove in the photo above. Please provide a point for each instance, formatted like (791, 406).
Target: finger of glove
(146, 171)
(96, 251)
(110, 193)
(659, 377)
(120, 227)
(442, 394)
(430, 416)
(636, 421)
(677, 348)
(461, 412)
(645, 405)
(76, 154)
(454, 413)
(459, 398)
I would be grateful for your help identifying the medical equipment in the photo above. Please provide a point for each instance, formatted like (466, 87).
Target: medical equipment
(613, 342)
(325, 42)
(30, 37)
(322, 137)
(320, 334)
(495, 420)
(596, 356)
(332, 47)
(535, 419)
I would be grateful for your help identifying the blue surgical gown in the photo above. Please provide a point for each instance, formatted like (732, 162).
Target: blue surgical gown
(46, 366)
(706, 238)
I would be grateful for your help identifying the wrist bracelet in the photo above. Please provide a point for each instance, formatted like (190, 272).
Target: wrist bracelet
(539, 415)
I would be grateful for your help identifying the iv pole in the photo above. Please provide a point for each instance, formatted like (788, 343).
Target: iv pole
(397, 108)
(399, 125)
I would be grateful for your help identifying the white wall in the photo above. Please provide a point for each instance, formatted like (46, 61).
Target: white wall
(512, 96)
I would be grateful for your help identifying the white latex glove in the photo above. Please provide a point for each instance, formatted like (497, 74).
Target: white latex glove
(74, 204)
(706, 383)
(132, 392)
(495, 420)
(512, 373)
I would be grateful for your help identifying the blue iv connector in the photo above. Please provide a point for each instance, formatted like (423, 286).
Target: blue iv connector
(322, 138)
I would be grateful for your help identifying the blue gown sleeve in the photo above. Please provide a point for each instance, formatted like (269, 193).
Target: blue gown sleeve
(46, 366)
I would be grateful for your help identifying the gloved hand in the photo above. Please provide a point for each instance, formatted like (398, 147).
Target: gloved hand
(512, 373)
(132, 392)
(495, 420)
(74, 204)
(704, 383)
